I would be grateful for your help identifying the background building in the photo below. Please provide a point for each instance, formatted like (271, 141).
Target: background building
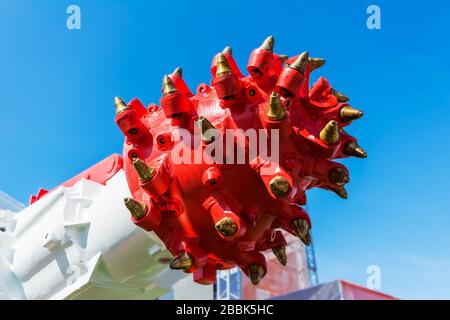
(281, 279)
(300, 272)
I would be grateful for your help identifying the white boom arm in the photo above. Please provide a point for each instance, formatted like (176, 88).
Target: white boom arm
(79, 243)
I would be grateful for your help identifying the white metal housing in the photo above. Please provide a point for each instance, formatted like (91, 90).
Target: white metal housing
(79, 243)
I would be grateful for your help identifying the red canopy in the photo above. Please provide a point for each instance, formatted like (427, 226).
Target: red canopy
(336, 290)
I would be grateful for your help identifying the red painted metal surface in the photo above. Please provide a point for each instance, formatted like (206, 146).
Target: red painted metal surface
(100, 172)
(184, 202)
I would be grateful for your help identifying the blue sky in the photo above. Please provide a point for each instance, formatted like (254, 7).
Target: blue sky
(57, 88)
